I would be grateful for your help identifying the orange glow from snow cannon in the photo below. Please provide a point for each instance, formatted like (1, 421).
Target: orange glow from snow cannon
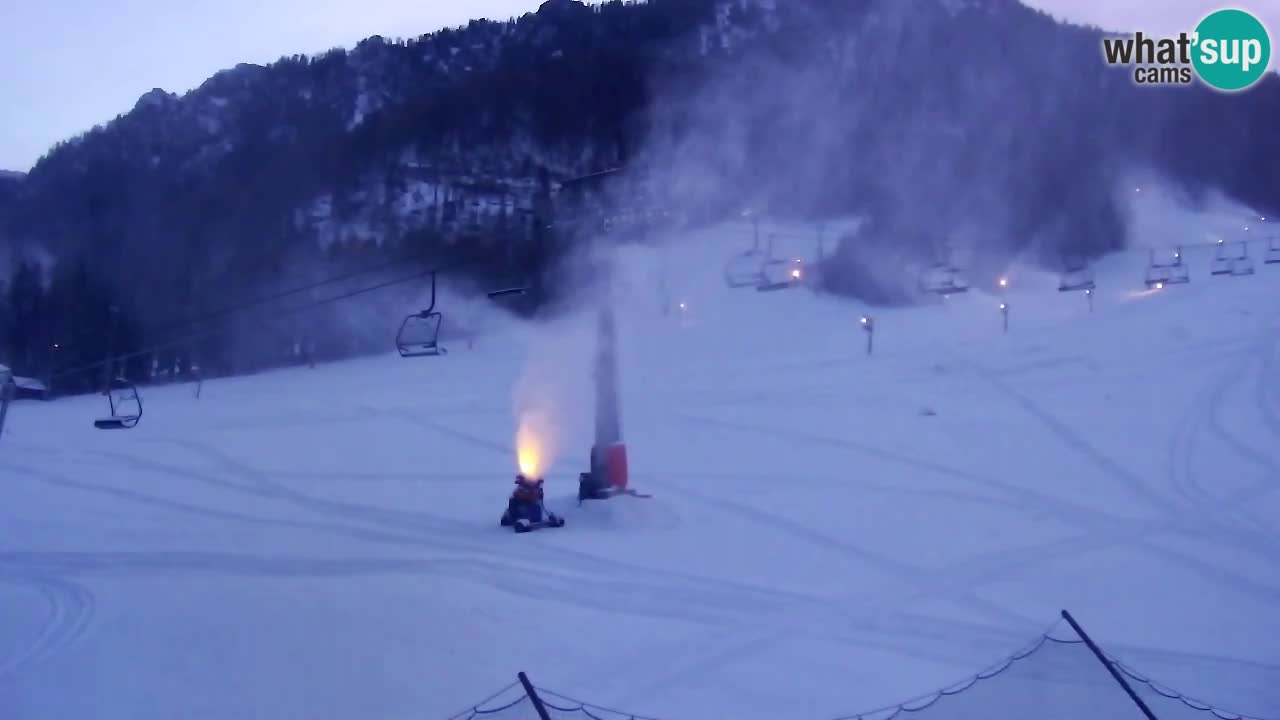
(530, 455)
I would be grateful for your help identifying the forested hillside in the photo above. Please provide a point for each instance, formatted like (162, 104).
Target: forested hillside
(975, 121)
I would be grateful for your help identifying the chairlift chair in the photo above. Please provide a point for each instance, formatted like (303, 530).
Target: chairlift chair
(1167, 272)
(944, 279)
(1240, 263)
(781, 275)
(419, 334)
(125, 404)
(747, 270)
(1228, 258)
(1273, 251)
(1232, 259)
(1076, 276)
(1220, 264)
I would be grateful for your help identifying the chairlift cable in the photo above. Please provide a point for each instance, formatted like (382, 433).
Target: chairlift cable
(178, 342)
(283, 294)
(240, 307)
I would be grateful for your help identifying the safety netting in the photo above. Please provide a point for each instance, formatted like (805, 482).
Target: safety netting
(1056, 676)
(1169, 704)
(513, 703)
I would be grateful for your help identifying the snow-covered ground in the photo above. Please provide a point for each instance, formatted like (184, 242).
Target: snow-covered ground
(830, 531)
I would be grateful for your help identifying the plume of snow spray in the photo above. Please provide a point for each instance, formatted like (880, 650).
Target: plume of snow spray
(553, 393)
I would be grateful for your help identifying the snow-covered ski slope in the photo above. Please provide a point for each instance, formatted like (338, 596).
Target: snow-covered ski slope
(830, 531)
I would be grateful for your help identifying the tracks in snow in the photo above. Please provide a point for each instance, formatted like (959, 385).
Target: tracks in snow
(70, 609)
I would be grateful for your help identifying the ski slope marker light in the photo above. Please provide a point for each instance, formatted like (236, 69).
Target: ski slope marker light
(1004, 282)
(1004, 312)
(1159, 286)
(869, 326)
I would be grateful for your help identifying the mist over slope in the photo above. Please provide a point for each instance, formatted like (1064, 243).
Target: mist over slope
(983, 125)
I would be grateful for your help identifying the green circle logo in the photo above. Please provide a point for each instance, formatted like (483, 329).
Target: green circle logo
(1232, 50)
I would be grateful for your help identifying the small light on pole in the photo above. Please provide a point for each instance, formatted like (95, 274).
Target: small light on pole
(1088, 294)
(869, 327)
(1004, 312)
(1159, 286)
(1004, 283)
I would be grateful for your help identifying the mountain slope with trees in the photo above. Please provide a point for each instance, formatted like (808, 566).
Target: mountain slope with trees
(980, 121)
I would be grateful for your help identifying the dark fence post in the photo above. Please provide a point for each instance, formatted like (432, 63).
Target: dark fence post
(533, 696)
(1109, 666)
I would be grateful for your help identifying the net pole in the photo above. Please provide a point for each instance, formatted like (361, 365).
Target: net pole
(1107, 664)
(533, 696)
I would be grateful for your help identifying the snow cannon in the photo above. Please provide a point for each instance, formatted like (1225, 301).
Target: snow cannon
(608, 476)
(526, 510)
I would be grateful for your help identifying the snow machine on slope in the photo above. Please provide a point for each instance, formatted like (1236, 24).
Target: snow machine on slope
(526, 510)
(608, 475)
